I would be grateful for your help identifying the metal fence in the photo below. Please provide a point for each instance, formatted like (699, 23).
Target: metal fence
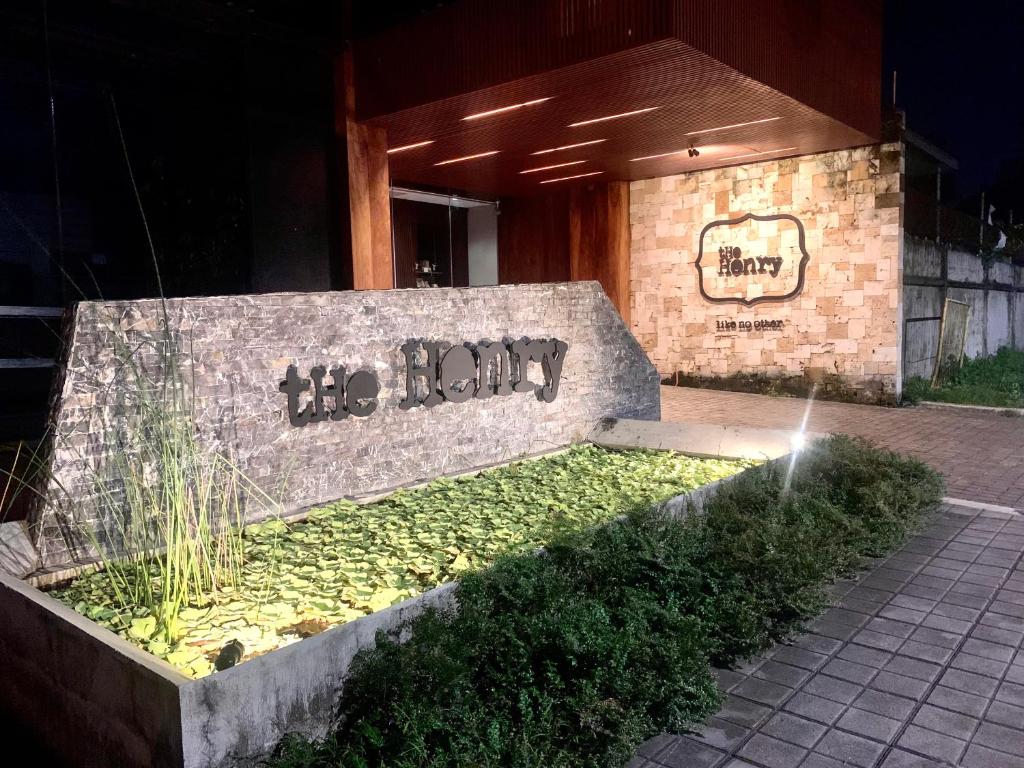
(29, 344)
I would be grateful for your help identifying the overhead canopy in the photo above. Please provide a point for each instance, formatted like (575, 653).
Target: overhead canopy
(797, 76)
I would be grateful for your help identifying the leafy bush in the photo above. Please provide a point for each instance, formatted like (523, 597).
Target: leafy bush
(997, 380)
(574, 657)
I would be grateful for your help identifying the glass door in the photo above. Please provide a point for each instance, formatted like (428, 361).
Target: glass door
(442, 241)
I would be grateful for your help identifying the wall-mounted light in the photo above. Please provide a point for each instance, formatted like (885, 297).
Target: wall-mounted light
(693, 152)
(567, 178)
(404, 147)
(550, 167)
(568, 146)
(509, 108)
(612, 117)
(468, 157)
(734, 125)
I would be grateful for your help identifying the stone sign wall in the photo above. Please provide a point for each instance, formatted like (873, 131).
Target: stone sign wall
(577, 363)
(785, 268)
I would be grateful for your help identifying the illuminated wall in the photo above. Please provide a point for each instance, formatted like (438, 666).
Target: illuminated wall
(843, 325)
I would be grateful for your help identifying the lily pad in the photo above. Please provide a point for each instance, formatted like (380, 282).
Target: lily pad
(344, 560)
(142, 629)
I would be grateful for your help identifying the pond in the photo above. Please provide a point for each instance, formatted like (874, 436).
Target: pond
(347, 560)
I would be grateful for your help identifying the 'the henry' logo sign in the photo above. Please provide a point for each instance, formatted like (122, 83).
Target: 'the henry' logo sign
(752, 259)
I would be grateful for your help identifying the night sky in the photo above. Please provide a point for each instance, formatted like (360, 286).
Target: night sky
(961, 83)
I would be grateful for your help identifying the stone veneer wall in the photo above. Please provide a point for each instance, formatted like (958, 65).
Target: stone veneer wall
(845, 323)
(237, 349)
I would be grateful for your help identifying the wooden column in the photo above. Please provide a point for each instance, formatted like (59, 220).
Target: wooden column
(369, 188)
(599, 239)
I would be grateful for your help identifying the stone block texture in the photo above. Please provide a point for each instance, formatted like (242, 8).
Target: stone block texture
(845, 322)
(233, 352)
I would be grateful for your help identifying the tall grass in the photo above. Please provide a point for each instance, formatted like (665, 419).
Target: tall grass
(166, 513)
(172, 510)
(165, 520)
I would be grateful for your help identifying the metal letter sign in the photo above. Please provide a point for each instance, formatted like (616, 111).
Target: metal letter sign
(435, 372)
(752, 259)
(357, 396)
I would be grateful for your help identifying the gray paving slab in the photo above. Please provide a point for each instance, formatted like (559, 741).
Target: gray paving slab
(919, 664)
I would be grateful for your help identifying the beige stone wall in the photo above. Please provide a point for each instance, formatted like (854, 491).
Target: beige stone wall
(845, 325)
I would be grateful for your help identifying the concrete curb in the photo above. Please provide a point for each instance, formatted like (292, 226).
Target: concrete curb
(965, 407)
(709, 441)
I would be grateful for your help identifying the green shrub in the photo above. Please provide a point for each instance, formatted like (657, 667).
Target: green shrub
(574, 657)
(545, 664)
(997, 380)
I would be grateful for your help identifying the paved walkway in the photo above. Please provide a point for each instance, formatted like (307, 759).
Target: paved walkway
(981, 454)
(919, 665)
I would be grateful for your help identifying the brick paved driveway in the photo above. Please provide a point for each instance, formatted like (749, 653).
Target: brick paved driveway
(919, 665)
(981, 454)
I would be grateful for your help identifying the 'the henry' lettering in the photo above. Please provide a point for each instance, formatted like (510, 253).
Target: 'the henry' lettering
(731, 262)
(435, 372)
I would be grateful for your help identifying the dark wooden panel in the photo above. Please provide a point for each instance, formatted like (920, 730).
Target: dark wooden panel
(599, 239)
(477, 44)
(404, 225)
(533, 239)
(426, 231)
(737, 117)
(824, 53)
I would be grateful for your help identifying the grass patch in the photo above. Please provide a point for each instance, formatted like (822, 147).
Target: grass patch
(997, 380)
(345, 560)
(575, 657)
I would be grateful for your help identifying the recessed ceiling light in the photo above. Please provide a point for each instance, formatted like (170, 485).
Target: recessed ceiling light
(568, 146)
(654, 157)
(410, 146)
(755, 154)
(566, 178)
(612, 117)
(556, 165)
(734, 125)
(509, 108)
(468, 157)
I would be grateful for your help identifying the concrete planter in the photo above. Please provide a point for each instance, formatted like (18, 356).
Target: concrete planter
(97, 700)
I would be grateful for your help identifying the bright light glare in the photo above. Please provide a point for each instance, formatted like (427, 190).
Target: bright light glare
(468, 157)
(576, 176)
(418, 144)
(734, 125)
(567, 146)
(612, 117)
(556, 165)
(509, 108)
(758, 154)
(799, 440)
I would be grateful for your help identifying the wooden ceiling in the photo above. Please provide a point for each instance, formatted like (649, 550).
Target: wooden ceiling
(694, 98)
